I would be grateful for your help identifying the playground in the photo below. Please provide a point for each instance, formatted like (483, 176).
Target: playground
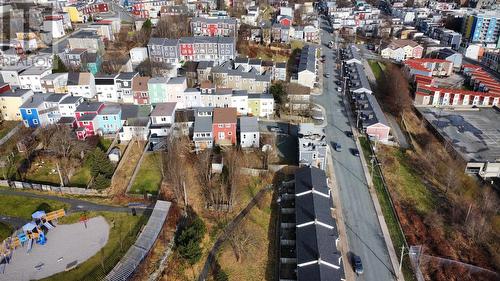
(42, 247)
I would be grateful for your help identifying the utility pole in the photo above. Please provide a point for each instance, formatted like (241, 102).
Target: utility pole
(401, 258)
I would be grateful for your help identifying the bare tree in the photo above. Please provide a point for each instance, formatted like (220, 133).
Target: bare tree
(232, 166)
(174, 26)
(393, 88)
(241, 241)
(67, 151)
(174, 166)
(45, 135)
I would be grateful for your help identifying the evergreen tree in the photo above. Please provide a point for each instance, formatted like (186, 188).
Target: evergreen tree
(101, 182)
(57, 65)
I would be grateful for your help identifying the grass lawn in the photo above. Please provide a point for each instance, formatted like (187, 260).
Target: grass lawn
(397, 236)
(376, 68)
(81, 178)
(149, 177)
(104, 143)
(43, 173)
(23, 207)
(296, 44)
(5, 231)
(6, 126)
(122, 235)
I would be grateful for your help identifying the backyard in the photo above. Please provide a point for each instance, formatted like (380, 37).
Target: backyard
(123, 173)
(148, 179)
(377, 68)
(122, 235)
(5, 231)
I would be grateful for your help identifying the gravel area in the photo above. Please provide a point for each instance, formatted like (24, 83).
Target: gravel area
(67, 246)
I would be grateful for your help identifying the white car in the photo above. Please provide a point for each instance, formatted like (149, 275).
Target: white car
(339, 89)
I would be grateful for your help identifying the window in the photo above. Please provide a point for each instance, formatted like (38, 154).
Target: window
(35, 121)
(105, 118)
(228, 125)
(164, 119)
(229, 133)
(28, 111)
(244, 136)
(221, 126)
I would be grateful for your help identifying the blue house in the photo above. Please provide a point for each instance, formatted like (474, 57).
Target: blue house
(35, 111)
(94, 63)
(109, 119)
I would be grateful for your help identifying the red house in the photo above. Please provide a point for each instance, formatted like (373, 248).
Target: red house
(4, 87)
(224, 125)
(285, 20)
(140, 89)
(86, 119)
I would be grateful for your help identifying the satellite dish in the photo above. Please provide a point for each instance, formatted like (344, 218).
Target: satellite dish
(266, 148)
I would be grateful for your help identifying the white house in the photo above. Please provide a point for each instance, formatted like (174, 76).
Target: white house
(175, 90)
(31, 78)
(10, 74)
(306, 74)
(192, 98)
(162, 117)
(82, 84)
(68, 105)
(239, 100)
(106, 88)
(54, 25)
(249, 132)
(138, 55)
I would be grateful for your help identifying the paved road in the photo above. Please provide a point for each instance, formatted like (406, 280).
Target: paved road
(76, 205)
(363, 229)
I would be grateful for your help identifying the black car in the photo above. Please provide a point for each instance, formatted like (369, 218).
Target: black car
(348, 134)
(355, 152)
(357, 265)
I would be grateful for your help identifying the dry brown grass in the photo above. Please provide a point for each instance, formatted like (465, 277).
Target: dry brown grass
(124, 173)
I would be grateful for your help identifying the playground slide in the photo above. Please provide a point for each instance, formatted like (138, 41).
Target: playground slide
(30, 245)
(48, 225)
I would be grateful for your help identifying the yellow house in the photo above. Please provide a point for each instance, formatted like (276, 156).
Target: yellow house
(10, 102)
(254, 104)
(74, 14)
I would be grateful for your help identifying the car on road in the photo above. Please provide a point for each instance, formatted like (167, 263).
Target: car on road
(276, 130)
(339, 89)
(337, 147)
(327, 75)
(355, 152)
(357, 264)
(348, 134)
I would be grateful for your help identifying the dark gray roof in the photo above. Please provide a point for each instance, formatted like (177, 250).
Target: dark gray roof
(203, 124)
(110, 109)
(307, 60)
(362, 77)
(315, 241)
(205, 64)
(88, 117)
(89, 106)
(34, 101)
(66, 120)
(16, 93)
(70, 100)
(126, 75)
(105, 79)
(54, 97)
(164, 109)
(248, 124)
(176, 80)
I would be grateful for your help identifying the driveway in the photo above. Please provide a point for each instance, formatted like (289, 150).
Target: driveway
(364, 233)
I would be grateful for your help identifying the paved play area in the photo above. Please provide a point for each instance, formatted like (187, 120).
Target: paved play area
(475, 134)
(66, 247)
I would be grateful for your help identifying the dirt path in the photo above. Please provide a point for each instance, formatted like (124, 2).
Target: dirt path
(125, 169)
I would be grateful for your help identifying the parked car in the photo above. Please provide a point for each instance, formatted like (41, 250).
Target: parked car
(337, 147)
(355, 152)
(276, 130)
(339, 89)
(327, 75)
(348, 134)
(357, 265)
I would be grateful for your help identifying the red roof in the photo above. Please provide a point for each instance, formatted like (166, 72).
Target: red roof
(454, 91)
(424, 60)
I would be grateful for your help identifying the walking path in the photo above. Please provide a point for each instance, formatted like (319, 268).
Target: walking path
(229, 228)
(10, 134)
(76, 204)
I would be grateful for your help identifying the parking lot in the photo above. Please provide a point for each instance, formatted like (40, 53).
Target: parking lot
(475, 134)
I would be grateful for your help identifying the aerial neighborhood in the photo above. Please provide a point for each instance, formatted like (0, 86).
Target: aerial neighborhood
(250, 140)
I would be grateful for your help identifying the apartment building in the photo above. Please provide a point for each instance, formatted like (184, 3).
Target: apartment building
(201, 26)
(218, 49)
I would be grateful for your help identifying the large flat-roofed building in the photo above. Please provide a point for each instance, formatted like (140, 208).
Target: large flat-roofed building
(312, 146)
(474, 134)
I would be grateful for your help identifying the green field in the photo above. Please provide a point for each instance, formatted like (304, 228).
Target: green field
(123, 232)
(376, 69)
(81, 178)
(23, 207)
(149, 177)
(45, 173)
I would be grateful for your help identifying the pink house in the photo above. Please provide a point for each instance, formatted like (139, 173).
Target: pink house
(378, 131)
(418, 51)
(224, 125)
(86, 119)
